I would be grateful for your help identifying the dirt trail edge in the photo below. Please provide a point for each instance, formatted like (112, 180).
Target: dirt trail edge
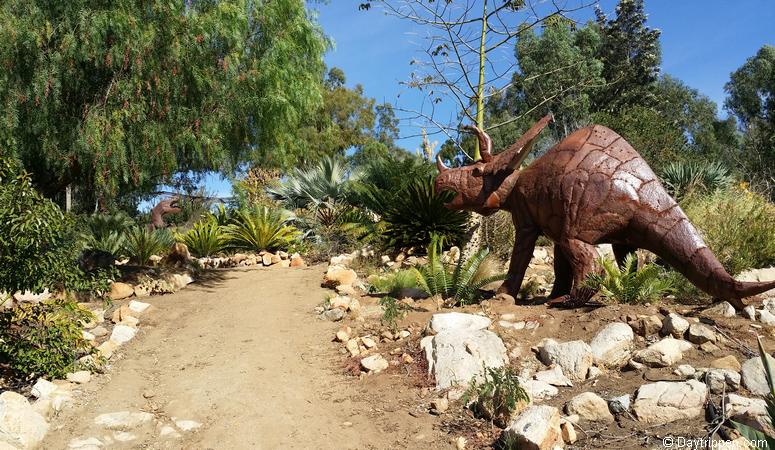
(245, 357)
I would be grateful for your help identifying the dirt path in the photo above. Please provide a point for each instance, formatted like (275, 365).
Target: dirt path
(245, 357)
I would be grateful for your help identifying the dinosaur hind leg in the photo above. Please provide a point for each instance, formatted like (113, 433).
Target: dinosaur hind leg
(582, 258)
(563, 274)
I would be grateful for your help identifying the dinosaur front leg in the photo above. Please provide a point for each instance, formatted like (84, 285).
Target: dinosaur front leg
(583, 261)
(524, 243)
(563, 274)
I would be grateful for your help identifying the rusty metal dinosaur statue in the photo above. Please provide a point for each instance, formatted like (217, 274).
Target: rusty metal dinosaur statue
(164, 207)
(589, 189)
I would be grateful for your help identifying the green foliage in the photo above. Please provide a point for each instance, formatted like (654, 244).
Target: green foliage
(43, 339)
(108, 232)
(205, 238)
(628, 284)
(737, 225)
(749, 432)
(261, 228)
(392, 283)
(118, 96)
(323, 182)
(683, 178)
(141, 243)
(392, 312)
(460, 284)
(497, 396)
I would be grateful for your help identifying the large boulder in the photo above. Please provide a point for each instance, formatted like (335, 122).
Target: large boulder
(753, 376)
(339, 276)
(119, 290)
(665, 402)
(537, 428)
(612, 345)
(749, 411)
(574, 357)
(458, 321)
(663, 353)
(20, 425)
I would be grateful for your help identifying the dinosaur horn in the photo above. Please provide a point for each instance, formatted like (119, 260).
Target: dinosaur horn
(522, 147)
(485, 143)
(440, 164)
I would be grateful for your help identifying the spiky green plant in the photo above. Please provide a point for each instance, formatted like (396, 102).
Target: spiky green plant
(205, 238)
(261, 229)
(628, 284)
(685, 177)
(460, 284)
(325, 181)
(497, 396)
(107, 232)
(391, 313)
(761, 439)
(141, 243)
(392, 283)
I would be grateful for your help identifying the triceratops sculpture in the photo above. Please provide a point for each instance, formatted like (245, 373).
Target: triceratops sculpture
(589, 189)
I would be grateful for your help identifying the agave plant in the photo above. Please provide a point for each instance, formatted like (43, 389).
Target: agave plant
(753, 435)
(628, 284)
(261, 229)
(460, 284)
(684, 177)
(142, 242)
(205, 238)
(310, 187)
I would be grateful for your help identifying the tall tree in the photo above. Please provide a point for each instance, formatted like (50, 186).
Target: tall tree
(112, 96)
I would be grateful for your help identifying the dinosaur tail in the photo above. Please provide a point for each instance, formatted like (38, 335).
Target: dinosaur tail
(673, 238)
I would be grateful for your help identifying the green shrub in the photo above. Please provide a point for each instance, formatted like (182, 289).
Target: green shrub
(108, 232)
(737, 225)
(205, 238)
(392, 283)
(43, 339)
(461, 283)
(261, 229)
(498, 234)
(629, 284)
(683, 178)
(392, 312)
(323, 182)
(142, 243)
(753, 434)
(497, 397)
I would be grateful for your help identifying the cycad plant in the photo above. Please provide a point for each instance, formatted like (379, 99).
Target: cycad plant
(326, 181)
(107, 232)
(685, 177)
(497, 396)
(259, 229)
(460, 284)
(205, 238)
(628, 284)
(753, 435)
(142, 242)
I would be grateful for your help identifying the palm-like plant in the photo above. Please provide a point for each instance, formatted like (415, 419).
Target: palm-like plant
(684, 177)
(141, 243)
(628, 284)
(205, 238)
(749, 432)
(260, 229)
(460, 284)
(107, 232)
(313, 186)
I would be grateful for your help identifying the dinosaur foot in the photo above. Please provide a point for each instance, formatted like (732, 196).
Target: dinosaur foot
(566, 301)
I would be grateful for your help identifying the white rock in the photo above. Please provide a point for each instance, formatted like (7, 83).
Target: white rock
(665, 402)
(766, 317)
(43, 388)
(574, 358)
(589, 406)
(123, 436)
(753, 376)
(87, 336)
(700, 334)
(724, 309)
(123, 420)
(187, 425)
(674, 325)
(168, 431)
(685, 370)
(374, 363)
(748, 411)
(340, 301)
(619, 404)
(594, 372)
(719, 380)
(539, 390)
(750, 312)
(663, 353)
(612, 345)
(536, 428)
(458, 321)
(138, 307)
(553, 376)
(456, 355)
(91, 443)
(368, 342)
(20, 425)
(122, 334)
(99, 331)
(80, 377)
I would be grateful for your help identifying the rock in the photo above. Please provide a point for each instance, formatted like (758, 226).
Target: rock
(340, 301)
(456, 355)
(674, 325)
(106, 349)
(374, 363)
(20, 425)
(664, 402)
(138, 307)
(685, 370)
(539, 390)
(80, 377)
(123, 314)
(88, 336)
(344, 333)
(186, 425)
(750, 411)
(709, 347)
(647, 326)
(91, 443)
(727, 362)
(353, 347)
(339, 275)
(368, 342)
(334, 315)
(724, 309)
(721, 380)
(439, 405)
(553, 376)
(700, 334)
(43, 388)
(568, 432)
(536, 428)
(619, 405)
(458, 321)
(266, 259)
(123, 420)
(169, 432)
(753, 376)
(285, 263)
(612, 345)
(119, 290)
(99, 331)
(589, 406)
(403, 334)
(297, 261)
(594, 372)
(180, 280)
(407, 358)
(663, 353)
(766, 317)
(750, 312)
(574, 358)
(122, 334)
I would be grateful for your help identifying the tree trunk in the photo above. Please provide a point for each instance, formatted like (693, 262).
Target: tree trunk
(68, 198)
(473, 236)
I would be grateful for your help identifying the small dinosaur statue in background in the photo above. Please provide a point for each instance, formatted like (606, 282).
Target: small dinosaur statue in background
(589, 189)
(164, 207)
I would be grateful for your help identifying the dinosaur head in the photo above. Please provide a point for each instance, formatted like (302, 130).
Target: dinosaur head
(483, 186)
(171, 205)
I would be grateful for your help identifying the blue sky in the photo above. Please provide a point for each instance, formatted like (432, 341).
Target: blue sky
(703, 41)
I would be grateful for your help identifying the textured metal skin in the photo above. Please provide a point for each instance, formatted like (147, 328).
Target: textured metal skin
(164, 207)
(589, 189)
